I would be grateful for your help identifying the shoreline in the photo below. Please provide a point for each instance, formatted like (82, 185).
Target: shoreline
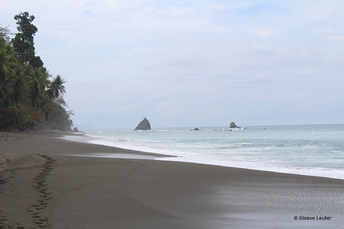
(180, 159)
(45, 187)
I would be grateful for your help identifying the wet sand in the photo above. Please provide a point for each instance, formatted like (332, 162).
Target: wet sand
(44, 185)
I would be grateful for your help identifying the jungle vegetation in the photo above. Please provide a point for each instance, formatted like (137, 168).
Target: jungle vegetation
(30, 98)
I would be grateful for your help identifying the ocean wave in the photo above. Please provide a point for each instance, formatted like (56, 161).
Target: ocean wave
(279, 149)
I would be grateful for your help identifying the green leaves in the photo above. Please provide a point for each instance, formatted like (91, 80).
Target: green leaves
(16, 116)
(38, 83)
(23, 41)
(29, 96)
(56, 88)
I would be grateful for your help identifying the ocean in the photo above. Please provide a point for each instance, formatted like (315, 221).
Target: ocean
(316, 150)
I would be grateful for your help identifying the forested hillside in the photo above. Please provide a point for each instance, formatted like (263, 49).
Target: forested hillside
(30, 98)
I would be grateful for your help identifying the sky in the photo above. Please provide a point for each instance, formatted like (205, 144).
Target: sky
(192, 63)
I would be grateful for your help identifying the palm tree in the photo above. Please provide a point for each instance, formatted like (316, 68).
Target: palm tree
(8, 64)
(20, 87)
(56, 87)
(6, 94)
(37, 87)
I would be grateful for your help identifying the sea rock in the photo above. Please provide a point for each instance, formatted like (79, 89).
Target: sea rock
(76, 129)
(196, 129)
(232, 125)
(143, 125)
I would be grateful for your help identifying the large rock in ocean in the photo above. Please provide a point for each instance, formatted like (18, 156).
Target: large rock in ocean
(143, 125)
(232, 125)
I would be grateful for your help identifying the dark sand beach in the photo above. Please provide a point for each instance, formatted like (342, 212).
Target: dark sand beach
(43, 184)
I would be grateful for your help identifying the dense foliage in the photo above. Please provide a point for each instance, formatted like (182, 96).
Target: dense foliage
(30, 98)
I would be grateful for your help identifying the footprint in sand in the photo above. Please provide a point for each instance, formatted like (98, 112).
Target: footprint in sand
(40, 185)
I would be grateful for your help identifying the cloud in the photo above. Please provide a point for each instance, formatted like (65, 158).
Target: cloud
(317, 10)
(264, 33)
(337, 38)
(191, 63)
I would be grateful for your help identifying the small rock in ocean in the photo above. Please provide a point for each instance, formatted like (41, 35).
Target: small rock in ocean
(196, 129)
(143, 125)
(232, 125)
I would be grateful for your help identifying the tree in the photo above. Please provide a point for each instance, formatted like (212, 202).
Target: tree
(28, 98)
(21, 85)
(4, 38)
(8, 64)
(56, 88)
(37, 87)
(23, 41)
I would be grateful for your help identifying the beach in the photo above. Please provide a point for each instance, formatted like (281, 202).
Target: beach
(46, 183)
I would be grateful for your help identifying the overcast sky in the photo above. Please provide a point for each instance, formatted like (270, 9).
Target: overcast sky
(192, 63)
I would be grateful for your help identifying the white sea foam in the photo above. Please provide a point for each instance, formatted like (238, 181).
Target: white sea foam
(305, 150)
